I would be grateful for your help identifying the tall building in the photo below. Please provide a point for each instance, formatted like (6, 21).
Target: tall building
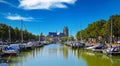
(66, 31)
(52, 34)
(55, 36)
(59, 34)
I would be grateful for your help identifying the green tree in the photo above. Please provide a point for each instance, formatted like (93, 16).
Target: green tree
(71, 38)
(64, 38)
(15, 33)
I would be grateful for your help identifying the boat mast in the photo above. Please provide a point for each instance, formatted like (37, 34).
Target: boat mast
(70, 36)
(39, 38)
(9, 35)
(111, 34)
(81, 32)
(21, 31)
(80, 36)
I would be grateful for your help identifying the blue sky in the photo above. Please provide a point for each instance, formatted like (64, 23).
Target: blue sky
(52, 15)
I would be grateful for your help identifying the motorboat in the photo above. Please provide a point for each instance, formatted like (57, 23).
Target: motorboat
(36, 44)
(96, 48)
(78, 45)
(30, 45)
(112, 50)
(7, 50)
(99, 48)
(23, 46)
(40, 44)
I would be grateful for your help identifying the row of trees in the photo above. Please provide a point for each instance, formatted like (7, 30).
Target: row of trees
(67, 38)
(6, 31)
(102, 28)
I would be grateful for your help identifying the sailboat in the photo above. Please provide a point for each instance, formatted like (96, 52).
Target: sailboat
(112, 50)
(11, 48)
(79, 44)
(22, 45)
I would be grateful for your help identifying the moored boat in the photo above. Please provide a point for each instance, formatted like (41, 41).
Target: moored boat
(30, 45)
(99, 48)
(78, 45)
(7, 50)
(23, 46)
(112, 51)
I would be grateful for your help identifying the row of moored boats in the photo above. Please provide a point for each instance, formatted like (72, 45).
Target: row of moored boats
(103, 48)
(17, 48)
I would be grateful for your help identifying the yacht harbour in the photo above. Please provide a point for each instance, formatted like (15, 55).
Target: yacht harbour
(59, 54)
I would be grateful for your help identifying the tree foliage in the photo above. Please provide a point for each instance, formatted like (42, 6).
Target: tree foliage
(15, 33)
(101, 28)
(64, 38)
(67, 38)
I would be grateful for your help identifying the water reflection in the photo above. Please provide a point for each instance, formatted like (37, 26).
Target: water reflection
(97, 59)
(60, 55)
(65, 52)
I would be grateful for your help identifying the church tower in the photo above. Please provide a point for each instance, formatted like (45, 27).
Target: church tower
(65, 31)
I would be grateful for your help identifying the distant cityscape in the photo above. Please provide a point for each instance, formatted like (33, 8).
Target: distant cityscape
(55, 36)
(59, 34)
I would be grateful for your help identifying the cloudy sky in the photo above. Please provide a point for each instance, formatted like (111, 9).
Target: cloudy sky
(52, 15)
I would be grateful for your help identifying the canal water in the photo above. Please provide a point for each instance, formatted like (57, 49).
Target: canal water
(61, 55)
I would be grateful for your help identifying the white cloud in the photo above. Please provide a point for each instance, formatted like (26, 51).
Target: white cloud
(44, 4)
(18, 17)
(5, 2)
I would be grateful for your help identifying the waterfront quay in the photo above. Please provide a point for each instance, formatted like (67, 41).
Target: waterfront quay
(57, 55)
